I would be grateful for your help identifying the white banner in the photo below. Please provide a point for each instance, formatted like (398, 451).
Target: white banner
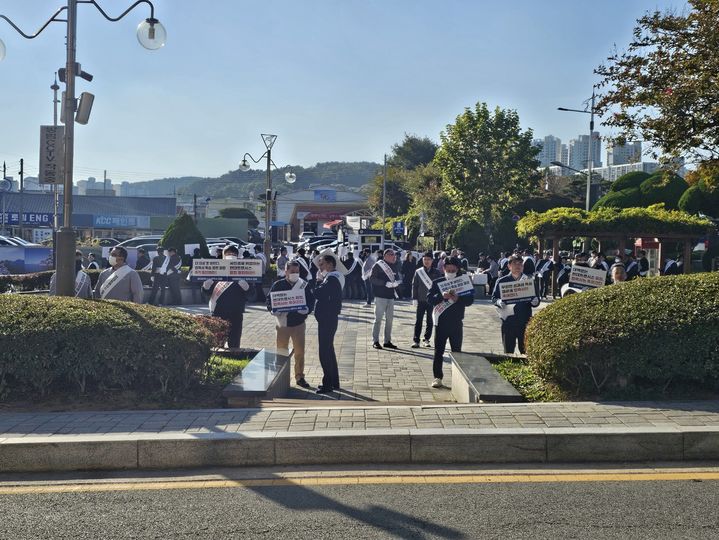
(461, 285)
(292, 300)
(513, 292)
(52, 156)
(190, 249)
(583, 276)
(227, 269)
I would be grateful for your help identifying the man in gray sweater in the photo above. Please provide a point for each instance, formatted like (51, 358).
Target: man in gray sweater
(120, 281)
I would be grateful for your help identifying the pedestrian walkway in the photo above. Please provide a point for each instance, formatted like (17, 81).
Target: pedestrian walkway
(367, 374)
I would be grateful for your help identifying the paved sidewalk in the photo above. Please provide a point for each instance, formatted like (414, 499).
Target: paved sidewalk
(367, 374)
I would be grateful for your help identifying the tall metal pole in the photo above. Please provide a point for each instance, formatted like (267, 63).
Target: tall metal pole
(590, 157)
(55, 199)
(21, 221)
(268, 205)
(384, 197)
(65, 245)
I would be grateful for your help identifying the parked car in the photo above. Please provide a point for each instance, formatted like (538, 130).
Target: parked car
(140, 240)
(9, 242)
(107, 242)
(22, 241)
(306, 235)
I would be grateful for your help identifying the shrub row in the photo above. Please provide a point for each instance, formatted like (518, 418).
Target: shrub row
(652, 332)
(54, 342)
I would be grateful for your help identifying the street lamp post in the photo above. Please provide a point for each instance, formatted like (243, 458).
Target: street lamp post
(151, 35)
(590, 158)
(290, 177)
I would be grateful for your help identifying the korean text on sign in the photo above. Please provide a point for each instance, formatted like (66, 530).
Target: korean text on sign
(288, 300)
(517, 291)
(583, 276)
(227, 269)
(461, 285)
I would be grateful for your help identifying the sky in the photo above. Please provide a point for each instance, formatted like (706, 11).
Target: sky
(336, 80)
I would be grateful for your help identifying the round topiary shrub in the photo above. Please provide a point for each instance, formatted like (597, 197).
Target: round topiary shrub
(663, 187)
(630, 180)
(648, 332)
(626, 198)
(69, 343)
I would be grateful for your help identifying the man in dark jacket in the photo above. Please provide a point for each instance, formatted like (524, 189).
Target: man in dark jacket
(328, 305)
(143, 262)
(353, 287)
(291, 324)
(514, 316)
(421, 284)
(447, 315)
(159, 276)
(174, 268)
(227, 301)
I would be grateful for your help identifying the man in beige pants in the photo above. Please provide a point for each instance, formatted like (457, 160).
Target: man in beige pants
(291, 307)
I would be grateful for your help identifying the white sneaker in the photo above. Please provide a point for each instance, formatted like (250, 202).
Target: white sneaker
(437, 383)
(426, 343)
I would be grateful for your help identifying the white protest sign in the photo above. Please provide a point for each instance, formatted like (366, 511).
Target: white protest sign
(290, 250)
(227, 269)
(106, 251)
(513, 292)
(584, 276)
(292, 300)
(461, 285)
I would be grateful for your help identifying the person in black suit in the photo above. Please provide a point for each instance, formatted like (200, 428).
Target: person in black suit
(159, 276)
(328, 305)
(174, 268)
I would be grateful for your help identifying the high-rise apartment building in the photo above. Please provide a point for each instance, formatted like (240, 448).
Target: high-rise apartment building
(551, 150)
(625, 153)
(579, 151)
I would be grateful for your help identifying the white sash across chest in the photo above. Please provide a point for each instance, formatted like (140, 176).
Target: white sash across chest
(387, 270)
(115, 278)
(422, 273)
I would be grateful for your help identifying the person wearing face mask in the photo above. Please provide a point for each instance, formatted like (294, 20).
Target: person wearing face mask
(227, 301)
(514, 316)
(120, 281)
(421, 284)
(83, 287)
(291, 325)
(447, 316)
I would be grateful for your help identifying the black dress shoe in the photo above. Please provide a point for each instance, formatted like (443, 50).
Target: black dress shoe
(390, 345)
(324, 390)
(303, 383)
(376, 345)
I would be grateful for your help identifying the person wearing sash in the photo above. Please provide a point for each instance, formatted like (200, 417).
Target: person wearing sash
(174, 270)
(92, 263)
(530, 266)
(281, 262)
(291, 325)
(409, 267)
(632, 266)
(544, 269)
(514, 316)
(367, 266)
(83, 286)
(671, 267)
(503, 262)
(227, 301)
(159, 276)
(384, 286)
(421, 284)
(328, 305)
(143, 264)
(353, 289)
(447, 316)
(259, 291)
(120, 281)
(643, 264)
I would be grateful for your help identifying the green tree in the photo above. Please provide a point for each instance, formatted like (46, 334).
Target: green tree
(398, 198)
(487, 162)
(430, 201)
(240, 213)
(412, 152)
(184, 231)
(663, 88)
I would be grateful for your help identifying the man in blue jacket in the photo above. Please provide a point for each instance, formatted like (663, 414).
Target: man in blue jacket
(447, 315)
(291, 324)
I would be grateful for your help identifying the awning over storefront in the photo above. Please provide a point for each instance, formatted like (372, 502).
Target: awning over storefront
(322, 216)
(331, 224)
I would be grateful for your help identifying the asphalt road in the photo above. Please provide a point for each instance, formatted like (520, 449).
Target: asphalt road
(467, 509)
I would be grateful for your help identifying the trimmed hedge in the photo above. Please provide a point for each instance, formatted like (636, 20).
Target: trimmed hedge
(663, 187)
(654, 220)
(625, 198)
(630, 180)
(55, 342)
(646, 332)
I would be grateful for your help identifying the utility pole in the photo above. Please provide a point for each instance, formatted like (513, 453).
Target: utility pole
(55, 194)
(384, 197)
(22, 196)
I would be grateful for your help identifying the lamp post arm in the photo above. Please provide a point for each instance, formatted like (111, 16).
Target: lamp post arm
(248, 155)
(128, 10)
(47, 23)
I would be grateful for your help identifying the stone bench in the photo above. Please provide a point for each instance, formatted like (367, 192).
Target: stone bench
(474, 379)
(267, 376)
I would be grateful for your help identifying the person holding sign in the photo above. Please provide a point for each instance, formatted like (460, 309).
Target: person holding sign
(290, 301)
(421, 284)
(328, 305)
(449, 295)
(228, 299)
(515, 300)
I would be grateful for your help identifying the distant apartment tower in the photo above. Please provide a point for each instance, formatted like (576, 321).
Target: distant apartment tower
(624, 153)
(550, 150)
(565, 155)
(578, 154)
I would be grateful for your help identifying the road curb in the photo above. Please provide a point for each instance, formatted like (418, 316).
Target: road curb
(410, 446)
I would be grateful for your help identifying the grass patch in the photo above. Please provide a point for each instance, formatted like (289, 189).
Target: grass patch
(529, 384)
(222, 368)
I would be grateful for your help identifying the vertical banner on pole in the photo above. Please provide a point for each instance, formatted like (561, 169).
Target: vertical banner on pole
(51, 154)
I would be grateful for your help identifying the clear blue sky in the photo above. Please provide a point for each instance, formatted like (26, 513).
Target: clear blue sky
(336, 80)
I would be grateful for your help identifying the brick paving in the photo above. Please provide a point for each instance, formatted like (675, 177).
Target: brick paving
(481, 417)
